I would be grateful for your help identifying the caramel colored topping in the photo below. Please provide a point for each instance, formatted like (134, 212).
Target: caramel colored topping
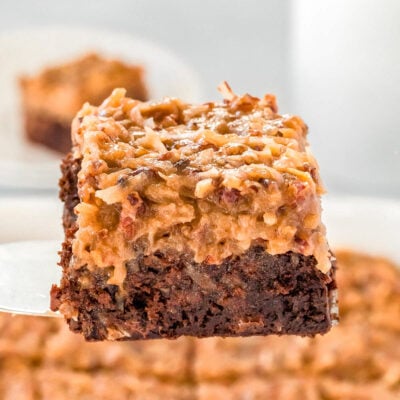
(207, 179)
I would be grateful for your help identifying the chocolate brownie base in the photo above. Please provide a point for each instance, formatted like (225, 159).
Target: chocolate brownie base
(169, 295)
(49, 131)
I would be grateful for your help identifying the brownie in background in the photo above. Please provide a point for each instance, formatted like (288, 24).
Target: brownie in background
(52, 98)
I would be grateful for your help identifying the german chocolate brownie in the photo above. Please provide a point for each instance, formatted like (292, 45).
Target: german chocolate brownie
(89, 78)
(199, 220)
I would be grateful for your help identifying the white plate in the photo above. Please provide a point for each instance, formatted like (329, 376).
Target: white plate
(358, 223)
(30, 218)
(23, 165)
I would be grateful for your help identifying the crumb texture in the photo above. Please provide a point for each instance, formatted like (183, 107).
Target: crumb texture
(166, 296)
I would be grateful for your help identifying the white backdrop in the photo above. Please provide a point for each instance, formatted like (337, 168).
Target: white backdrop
(336, 62)
(243, 42)
(346, 84)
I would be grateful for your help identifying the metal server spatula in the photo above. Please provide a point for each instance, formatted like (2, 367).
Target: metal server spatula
(27, 271)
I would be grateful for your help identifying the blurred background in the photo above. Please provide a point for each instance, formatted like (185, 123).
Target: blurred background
(336, 63)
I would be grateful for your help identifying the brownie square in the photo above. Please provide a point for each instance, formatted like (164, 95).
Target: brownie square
(256, 388)
(200, 220)
(167, 360)
(225, 359)
(293, 388)
(51, 99)
(111, 385)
